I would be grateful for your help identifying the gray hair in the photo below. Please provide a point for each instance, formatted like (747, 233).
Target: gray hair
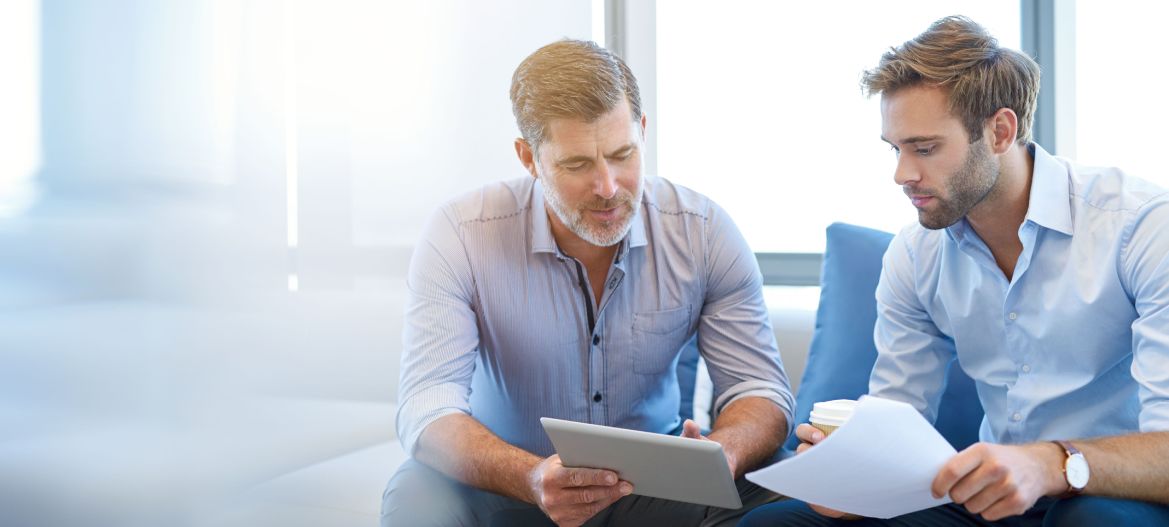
(569, 79)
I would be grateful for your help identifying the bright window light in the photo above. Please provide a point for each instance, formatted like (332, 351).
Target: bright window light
(291, 156)
(761, 109)
(599, 22)
(19, 101)
(1120, 87)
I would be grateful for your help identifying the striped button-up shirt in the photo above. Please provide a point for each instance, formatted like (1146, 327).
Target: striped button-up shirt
(498, 322)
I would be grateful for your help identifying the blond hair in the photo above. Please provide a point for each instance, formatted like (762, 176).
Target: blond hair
(959, 55)
(569, 79)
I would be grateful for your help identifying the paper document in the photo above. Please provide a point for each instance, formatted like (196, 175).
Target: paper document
(879, 464)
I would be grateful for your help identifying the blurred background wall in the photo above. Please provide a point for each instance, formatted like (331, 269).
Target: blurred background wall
(201, 275)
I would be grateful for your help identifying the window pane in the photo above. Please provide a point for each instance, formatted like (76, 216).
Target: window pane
(761, 109)
(399, 107)
(429, 114)
(1120, 84)
(19, 101)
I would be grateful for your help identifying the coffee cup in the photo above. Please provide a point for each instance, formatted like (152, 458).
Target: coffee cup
(830, 415)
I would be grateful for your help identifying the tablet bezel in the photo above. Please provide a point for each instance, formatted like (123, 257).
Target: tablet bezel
(658, 465)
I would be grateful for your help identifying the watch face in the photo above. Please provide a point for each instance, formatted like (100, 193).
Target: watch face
(1077, 471)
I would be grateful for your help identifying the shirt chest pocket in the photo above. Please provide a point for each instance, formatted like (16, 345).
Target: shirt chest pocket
(657, 338)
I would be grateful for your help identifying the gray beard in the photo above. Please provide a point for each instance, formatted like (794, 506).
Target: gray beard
(574, 219)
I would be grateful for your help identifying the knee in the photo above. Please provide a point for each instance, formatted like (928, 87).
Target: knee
(1094, 511)
(785, 512)
(419, 495)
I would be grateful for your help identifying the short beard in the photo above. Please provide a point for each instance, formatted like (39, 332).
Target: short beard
(971, 184)
(596, 235)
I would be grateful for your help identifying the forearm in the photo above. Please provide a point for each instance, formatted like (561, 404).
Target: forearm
(1133, 466)
(461, 447)
(750, 431)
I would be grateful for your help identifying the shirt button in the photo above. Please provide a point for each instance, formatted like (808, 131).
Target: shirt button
(1016, 417)
(596, 339)
(597, 397)
(1012, 316)
(1026, 368)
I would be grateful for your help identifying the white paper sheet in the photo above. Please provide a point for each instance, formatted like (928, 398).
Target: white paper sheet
(879, 464)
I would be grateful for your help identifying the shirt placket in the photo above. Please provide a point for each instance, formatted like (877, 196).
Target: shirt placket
(599, 339)
(1011, 337)
(1016, 343)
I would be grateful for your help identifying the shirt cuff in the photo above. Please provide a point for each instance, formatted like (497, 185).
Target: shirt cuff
(421, 409)
(771, 391)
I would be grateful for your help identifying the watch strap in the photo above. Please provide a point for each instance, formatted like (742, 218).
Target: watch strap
(1070, 450)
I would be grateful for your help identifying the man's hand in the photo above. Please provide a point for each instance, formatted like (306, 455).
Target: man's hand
(809, 437)
(691, 430)
(998, 481)
(570, 496)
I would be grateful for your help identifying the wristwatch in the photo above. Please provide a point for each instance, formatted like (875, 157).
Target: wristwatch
(1075, 469)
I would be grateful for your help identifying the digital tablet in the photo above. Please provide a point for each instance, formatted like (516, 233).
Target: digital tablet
(659, 466)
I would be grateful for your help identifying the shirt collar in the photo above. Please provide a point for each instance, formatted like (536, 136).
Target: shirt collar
(636, 236)
(541, 227)
(1049, 204)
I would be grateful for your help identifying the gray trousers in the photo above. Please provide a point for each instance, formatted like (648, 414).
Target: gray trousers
(418, 495)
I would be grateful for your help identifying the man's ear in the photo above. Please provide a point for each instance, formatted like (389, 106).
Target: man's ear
(527, 156)
(643, 121)
(1004, 129)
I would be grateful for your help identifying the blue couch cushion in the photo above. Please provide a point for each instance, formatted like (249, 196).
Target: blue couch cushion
(842, 352)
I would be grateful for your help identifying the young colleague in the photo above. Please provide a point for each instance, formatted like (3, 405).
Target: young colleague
(1046, 281)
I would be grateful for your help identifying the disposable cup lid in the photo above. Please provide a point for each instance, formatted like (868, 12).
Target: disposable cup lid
(832, 413)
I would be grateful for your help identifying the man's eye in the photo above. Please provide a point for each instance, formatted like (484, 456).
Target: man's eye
(896, 151)
(925, 151)
(574, 168)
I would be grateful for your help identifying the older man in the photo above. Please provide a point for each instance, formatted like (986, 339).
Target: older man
(570, 294)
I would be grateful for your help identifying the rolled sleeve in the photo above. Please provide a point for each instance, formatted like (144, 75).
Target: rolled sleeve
(765, 390)
(426, 407)
(734, 331)
(440, 338)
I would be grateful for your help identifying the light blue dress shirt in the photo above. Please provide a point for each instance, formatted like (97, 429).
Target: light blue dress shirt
(1075, 345)
(498, 318)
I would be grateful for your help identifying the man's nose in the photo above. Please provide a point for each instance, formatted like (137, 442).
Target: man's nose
(905, 172)
(606, 182)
